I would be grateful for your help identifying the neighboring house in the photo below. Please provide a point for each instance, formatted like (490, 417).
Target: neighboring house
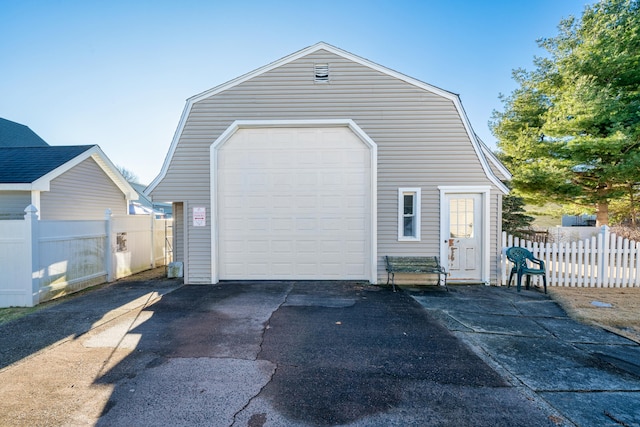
(318, 165)
(584, 220)
(14, 134)
(145, 206)
(62, 182)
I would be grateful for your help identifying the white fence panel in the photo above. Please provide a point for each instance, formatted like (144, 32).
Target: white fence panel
(15, 261)
(72, 256)
(162, 241)
(131, 237)
(42, 260)
(603, 261)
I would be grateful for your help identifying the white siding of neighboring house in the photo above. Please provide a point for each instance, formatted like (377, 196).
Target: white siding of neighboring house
(420, 136)
(13, 204)
(83, 192)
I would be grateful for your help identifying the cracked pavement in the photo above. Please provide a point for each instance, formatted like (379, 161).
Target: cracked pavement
(251, 354)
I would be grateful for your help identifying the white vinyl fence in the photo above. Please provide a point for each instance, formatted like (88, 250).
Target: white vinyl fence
(602, 261)
(41, 260)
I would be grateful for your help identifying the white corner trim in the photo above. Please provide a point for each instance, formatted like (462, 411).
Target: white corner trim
(172, 149)
(114, 174)
(233, 128)
(238, 124)
(21, 187)
(494, 160)
(476, 144)
(309, 50)
(464, 188)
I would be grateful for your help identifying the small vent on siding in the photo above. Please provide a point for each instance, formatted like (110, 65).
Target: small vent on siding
(322, 72)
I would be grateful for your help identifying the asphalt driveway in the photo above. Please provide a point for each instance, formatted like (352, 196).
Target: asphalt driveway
(152, 352)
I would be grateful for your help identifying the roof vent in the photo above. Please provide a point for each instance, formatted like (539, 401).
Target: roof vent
(322, 73)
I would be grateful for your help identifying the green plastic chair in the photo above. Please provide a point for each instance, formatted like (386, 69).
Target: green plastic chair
(525, 264)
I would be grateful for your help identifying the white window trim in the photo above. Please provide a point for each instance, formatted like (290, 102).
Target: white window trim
(417, 200)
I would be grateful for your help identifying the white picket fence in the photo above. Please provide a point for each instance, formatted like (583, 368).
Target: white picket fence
(41, 260)
(603, 261)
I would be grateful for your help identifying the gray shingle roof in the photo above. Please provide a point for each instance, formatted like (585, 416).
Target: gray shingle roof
(14, 134)
(22, 165)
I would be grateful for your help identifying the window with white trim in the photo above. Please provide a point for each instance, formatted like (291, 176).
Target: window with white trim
(409, 214)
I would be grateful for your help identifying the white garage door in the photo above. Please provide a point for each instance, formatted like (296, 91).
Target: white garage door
(294, 203)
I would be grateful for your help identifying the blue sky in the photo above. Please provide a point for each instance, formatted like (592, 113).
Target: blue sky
(117, 73)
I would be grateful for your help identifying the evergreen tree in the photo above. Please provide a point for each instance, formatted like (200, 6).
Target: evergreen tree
(570, 132)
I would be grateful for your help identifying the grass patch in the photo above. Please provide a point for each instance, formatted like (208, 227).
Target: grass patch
(11, 313)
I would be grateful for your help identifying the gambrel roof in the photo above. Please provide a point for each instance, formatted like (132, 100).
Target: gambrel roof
(454, 98)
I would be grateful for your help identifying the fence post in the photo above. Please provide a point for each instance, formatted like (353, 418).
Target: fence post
(108, 253)
(603, 258)
(153, 240)
(31, 222)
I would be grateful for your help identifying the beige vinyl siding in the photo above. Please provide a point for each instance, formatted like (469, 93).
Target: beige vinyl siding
(420, 136)
(198, 245)
(83, 192)
(13, 204)
(178, 232)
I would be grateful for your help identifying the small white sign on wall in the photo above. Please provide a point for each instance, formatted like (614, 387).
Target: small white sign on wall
(199, 217)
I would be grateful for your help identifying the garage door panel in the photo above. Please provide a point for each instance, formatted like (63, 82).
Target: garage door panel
(308, 225)
(258, 246)
(305, 247)
(282, 247)
(330, 224)
(308, 269)
(356, 269)
(282, 269)
(296, 207)
(281, 224)
(235, 246)
(309, 202)
(355, 224)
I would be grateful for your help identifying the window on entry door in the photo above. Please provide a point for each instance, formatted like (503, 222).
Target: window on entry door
(409, 214)
(461, 218)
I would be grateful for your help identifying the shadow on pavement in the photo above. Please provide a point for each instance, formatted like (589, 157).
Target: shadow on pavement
(69, 319)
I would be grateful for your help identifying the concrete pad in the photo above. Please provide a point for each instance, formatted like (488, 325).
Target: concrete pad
(500, 324)
(540, 308)
(602, 409)
(571, 331)
(549, 364)
(624, 357)
(446, 320)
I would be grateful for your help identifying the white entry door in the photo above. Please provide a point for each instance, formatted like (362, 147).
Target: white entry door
(464, 234)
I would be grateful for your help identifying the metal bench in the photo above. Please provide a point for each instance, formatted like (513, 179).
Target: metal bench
(415, 265)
